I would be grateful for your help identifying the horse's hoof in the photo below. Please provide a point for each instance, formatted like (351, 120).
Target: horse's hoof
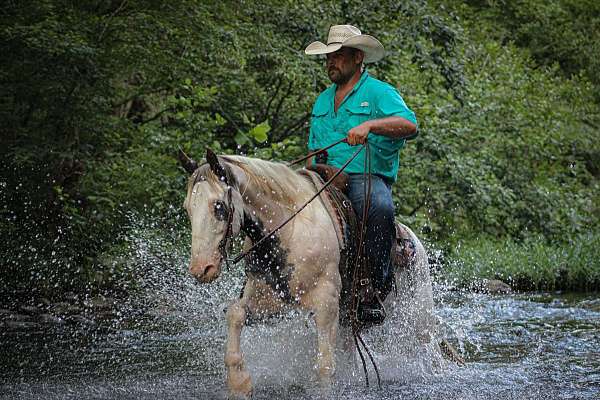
(240, 395)
(325, 381)
(240, 386)
(325, 388)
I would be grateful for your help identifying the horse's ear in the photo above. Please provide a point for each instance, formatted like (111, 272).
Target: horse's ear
(215, 166)
(187, 163)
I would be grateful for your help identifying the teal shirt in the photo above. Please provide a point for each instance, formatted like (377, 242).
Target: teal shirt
(369, 99)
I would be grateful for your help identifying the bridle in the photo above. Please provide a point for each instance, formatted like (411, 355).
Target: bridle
(228, 236)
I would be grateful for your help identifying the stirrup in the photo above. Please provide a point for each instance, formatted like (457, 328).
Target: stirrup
(371, 313)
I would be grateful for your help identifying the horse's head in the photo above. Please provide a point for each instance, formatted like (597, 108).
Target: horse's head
(216, 211)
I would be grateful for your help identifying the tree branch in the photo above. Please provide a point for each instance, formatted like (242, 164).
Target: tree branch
(275, 119)
(265, 113)
(111, 16)
(138, 94)
(296, 124)
(155, 116)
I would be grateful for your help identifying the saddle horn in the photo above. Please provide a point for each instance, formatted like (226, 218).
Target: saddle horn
(216, 166)
(186, 162)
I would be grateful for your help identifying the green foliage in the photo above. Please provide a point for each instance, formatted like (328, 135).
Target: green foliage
(533, 264)
(566, 32)
(96, 97)
(514, 160)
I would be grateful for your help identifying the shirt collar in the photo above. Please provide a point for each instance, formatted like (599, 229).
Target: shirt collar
(363, 77)
(362, 80)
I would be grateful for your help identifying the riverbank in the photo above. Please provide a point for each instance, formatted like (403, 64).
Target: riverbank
(529, 265)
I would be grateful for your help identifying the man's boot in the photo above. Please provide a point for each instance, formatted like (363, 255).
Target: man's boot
(372, 312)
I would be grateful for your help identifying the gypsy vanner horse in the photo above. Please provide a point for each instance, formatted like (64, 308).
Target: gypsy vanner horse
(296, 267)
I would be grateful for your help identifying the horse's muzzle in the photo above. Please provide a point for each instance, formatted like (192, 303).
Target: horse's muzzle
(205, 273)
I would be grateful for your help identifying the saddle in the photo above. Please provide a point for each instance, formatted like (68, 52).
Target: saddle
(357, 287)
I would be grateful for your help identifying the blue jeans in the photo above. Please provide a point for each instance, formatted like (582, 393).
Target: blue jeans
(381, 231)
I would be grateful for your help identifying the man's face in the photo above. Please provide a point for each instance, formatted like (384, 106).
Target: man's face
(343, 64)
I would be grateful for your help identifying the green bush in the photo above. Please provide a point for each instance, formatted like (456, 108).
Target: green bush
(96, 97)
(532, 264)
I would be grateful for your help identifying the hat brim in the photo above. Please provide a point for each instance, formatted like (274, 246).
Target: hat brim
(316, 48)
(372, 48)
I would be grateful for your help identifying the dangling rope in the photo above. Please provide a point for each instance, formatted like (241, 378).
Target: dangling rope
(360, 339)
(361, 258)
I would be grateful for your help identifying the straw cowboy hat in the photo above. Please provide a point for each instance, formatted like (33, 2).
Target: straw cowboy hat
(348, 36)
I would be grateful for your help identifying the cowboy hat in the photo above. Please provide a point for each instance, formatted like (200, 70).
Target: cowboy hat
(348, 36)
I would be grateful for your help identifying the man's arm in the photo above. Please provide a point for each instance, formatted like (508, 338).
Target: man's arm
(394, 127)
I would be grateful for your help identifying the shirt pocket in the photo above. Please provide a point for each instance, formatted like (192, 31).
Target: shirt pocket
(320, 109)
(357, 115)
(319, 118)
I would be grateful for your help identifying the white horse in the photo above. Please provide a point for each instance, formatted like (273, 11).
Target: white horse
(297, 267)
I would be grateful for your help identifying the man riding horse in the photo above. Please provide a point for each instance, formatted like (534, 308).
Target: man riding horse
(361, 108)
(300, 265)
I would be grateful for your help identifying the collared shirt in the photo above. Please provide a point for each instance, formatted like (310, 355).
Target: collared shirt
(369, 99)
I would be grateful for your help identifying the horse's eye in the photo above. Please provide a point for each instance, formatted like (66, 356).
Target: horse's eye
(221, 210)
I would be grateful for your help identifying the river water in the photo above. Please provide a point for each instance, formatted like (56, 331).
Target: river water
(169, 344)
(166, 341)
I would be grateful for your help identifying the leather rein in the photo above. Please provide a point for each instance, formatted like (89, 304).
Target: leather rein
(228, 231)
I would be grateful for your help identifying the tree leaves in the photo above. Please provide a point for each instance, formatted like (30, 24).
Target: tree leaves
(96, 98)
(259, 132)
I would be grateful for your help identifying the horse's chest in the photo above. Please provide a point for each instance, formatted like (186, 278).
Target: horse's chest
(271, 266)
(269, 261)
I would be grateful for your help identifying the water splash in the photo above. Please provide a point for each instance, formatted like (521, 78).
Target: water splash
(167, 339)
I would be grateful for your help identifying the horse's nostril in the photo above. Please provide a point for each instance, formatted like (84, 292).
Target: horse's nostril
(209, 270)
(196, 271)
(204, 273)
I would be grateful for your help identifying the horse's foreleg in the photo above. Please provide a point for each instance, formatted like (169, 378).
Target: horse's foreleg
(326, 308)
(346, 344)
(238, 378)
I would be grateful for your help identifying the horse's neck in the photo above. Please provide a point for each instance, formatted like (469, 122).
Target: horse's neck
(263, 207)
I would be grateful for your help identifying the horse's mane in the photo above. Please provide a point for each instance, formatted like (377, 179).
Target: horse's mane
(282, 183)
(279, 181)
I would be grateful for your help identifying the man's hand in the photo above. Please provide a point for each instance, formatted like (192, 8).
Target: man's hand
(358, 134)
